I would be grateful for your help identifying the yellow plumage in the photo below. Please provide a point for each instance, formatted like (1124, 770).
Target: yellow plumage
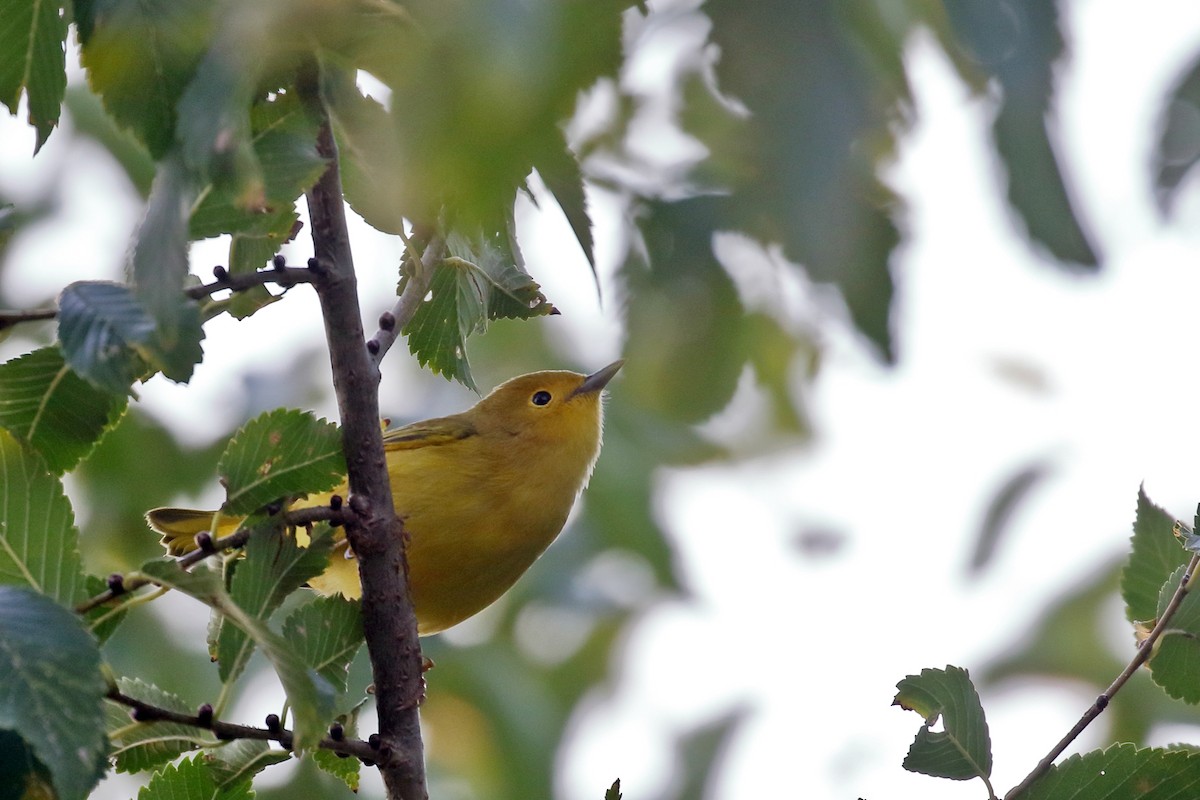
(482, 493)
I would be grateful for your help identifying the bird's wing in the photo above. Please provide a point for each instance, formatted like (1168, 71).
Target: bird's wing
(429, 433)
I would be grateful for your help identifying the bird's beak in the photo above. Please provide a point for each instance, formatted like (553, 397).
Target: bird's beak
(598, 379)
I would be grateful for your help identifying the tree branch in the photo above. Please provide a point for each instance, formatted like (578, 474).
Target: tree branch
(280, 274)
(1145, 649)
(141, 711)
(392, 323)
(120, 584)
(377, 536)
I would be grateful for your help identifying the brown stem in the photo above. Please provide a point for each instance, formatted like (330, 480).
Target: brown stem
(377, 535)
(422, 265)
(148, 712)
(1145, 648)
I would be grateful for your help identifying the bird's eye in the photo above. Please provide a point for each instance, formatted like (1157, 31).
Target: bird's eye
(541, 398)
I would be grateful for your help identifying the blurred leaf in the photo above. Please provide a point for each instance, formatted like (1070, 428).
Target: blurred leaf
(139, 746)
(160, 266)
(1120, 772)
(1155, 554)
(278, 454)
(38, 533)
(281, 142)
(801, 167)
(56, 412)
(684, 318)
(33, 58)
(367, 146)
(963, 749)
(1178, 146)
(53, 689)
(614, 791)
(104, 331)
(561, 173)
(1004, 504)
(493, 82)
(1071, 643)
(477, 283)
(328, 633)
(1018, 43)
(505, 714)
(309, 695)
(237, 762)
(192, 780)
(140, 54)
(274, 566)
(138, 465)
(1176, 657)
(701, 755)
(89, 118)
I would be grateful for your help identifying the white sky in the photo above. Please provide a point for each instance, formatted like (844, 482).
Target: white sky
(906, 460)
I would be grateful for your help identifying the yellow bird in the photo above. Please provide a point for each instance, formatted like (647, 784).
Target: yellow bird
(482, 493)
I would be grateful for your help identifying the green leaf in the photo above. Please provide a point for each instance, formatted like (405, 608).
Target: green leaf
(38, 540)
(310, 696)
(1121, 772)
(192, 780)
(614, 791)
(279, 454)
(368, 156)
(1018, 45)
(33, 58)
(104, 332)
(139, 746)
(88, 118)
(562, 175)
(56, 412)
(282, 144)
(249, 254)
(274, 566)
(1176, 656)
(963, 749)
(1155, 554)
(1178, 147)
(507, 76)
(795, 170)
(328, 633)
(53, 689)
(102, 630)
(474, 285)
(684, 313)
(139, 55)
(346, 770)
(160, 266)
(236, 762)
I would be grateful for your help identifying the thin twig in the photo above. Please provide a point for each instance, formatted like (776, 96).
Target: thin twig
(240, 282)
(419, 278)
(11, 318)
(121, 585)
(141, 711)
(1145, 648)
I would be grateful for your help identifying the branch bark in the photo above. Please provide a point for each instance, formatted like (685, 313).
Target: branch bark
(377, 536)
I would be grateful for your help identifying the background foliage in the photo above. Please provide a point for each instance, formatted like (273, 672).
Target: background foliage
(785, 118)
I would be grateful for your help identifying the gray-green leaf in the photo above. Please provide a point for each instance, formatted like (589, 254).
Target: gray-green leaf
(278, 454)
(52, 691)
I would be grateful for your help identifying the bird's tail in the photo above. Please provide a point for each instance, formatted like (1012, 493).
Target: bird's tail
(179, 526)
